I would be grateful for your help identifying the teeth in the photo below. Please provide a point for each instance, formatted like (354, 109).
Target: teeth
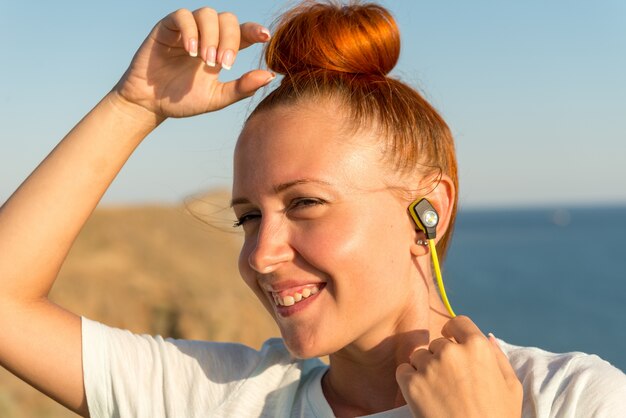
(291, 300)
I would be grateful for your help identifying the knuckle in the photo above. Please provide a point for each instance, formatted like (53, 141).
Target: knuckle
(408, 378)
(476, 342)
(447, 351)
(403, 375)
(181, 12)
(205, 12)
(430, 370)
(417, 354)
(228, 16)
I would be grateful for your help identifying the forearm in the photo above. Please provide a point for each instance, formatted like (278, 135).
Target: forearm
(40, 221)
(41, 342)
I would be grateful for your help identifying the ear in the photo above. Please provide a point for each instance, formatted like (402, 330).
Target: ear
(442, 198)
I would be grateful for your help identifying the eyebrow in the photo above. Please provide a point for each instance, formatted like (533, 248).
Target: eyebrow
(281, 188)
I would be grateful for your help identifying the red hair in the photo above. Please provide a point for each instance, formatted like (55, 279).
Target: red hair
(344, 52)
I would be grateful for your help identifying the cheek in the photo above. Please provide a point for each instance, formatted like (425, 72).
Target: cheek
(354, 244)
(326, 243)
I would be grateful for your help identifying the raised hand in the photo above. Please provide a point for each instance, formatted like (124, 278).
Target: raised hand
(175, 71)
(463, 374)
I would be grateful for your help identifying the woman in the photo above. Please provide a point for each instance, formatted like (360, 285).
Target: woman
(325, 169)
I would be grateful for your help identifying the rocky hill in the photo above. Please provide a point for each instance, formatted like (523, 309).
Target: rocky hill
(154, 269)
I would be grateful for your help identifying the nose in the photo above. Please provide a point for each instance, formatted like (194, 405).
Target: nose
(272, 247)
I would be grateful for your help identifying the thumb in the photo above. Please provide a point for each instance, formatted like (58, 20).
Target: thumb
(246, 85)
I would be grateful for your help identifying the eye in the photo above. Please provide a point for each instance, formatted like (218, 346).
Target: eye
(305, 202)
(245, 218)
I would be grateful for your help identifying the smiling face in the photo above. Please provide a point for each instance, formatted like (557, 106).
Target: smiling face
(327, 243)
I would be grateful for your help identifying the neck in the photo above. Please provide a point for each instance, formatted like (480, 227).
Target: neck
(362, 377)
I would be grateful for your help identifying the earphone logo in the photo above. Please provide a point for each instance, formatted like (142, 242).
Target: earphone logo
(430, 218)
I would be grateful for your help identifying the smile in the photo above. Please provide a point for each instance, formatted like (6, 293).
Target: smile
(290, 299)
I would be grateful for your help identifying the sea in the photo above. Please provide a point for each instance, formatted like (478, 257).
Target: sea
(549, 278)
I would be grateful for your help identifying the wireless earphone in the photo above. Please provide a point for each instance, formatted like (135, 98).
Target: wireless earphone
(426, 218)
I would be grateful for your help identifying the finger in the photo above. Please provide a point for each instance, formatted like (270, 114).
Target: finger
(437, 345)
(403, 373)
(230, 35)
(411, 385)
(253, 33)
(462, 329)
(503, 362)
(208, 26)
(245, 86)
(405, 376)
(182, 20)
(419, 358)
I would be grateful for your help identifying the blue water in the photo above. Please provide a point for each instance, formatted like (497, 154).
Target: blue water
(554, 279)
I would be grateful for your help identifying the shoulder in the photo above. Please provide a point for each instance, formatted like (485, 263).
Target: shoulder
(112, 341)
(567, 384)
(130, 372)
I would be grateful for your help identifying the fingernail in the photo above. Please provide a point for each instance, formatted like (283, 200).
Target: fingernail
(267, 34)
(270, 78)
(227, 59)
(193, 47)
(210, 56)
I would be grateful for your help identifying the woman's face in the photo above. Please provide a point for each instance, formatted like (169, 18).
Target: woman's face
(327, 244)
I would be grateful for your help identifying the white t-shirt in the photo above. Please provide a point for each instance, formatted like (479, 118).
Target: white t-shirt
(129, 375)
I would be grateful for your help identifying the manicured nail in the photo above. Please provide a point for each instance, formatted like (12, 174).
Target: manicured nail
(266, 34)
(270, 78)
(227, 59)
(193, 47)
(210, 56)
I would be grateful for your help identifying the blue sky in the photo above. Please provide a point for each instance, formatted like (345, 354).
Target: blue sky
(534, 91)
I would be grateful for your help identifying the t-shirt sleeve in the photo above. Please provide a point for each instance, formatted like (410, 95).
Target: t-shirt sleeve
(130, 375)
(593, 388)
(568, 384)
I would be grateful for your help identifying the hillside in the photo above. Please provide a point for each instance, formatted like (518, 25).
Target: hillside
(156, 270)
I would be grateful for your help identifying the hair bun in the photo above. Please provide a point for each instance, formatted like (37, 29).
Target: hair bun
(355, 38)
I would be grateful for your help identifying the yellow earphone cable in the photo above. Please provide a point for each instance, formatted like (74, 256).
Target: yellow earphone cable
(442, 290)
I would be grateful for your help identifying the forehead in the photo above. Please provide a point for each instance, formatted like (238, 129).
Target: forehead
(309, 140)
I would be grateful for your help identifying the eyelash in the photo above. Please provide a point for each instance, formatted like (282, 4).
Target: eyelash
(306, 201)
(296, 203)
(243, 219)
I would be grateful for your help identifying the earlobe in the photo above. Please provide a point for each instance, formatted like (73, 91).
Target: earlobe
(420, 247)
(419, 250)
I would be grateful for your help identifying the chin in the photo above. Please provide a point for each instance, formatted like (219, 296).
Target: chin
(303, 354)
(304, 346)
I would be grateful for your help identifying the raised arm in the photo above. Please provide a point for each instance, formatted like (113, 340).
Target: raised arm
(172, 75)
